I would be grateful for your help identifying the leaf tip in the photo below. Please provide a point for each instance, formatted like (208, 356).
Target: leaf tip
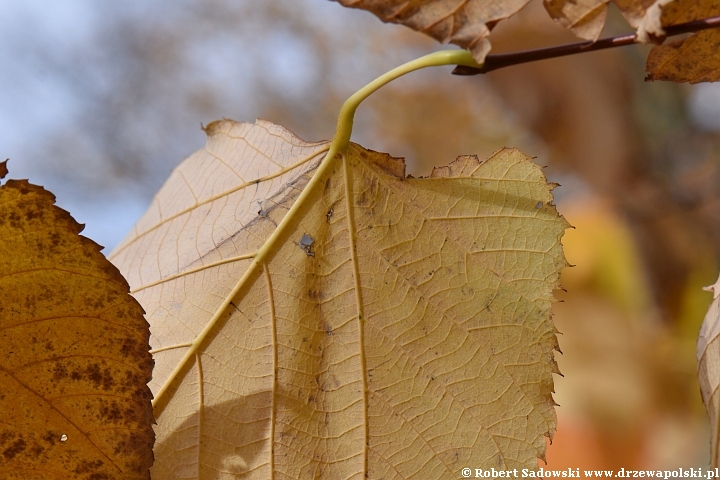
(223, 125)
(714, 289)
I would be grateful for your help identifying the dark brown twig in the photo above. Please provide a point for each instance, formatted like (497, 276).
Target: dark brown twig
(493, 62)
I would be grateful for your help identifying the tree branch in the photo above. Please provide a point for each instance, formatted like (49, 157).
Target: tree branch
(494, 62)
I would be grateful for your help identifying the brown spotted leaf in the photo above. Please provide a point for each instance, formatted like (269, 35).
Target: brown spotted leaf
(693, 59)
(398, 328)
(75, 360)
(465, 23)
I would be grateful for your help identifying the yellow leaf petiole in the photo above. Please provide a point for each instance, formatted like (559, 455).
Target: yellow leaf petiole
(341, 140)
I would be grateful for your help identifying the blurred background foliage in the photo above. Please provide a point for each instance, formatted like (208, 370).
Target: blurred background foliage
(100, 100)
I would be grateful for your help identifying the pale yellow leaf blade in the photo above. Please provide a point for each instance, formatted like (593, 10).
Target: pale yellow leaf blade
(708, 354)
(399, 328)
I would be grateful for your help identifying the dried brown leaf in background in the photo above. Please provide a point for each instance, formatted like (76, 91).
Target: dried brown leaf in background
(708, 355)
(465, 23)
(693, 59)
(645, 17)
(586, 18)
(401, 327)
(75, 361)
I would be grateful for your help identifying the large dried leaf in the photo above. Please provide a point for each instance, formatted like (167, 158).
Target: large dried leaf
(586, 18)
(75, 361)
(693, 59)
(708, 355)
(400, 328)
(466, 23)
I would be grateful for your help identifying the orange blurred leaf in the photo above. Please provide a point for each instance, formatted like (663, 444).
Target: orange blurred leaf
(75, 361)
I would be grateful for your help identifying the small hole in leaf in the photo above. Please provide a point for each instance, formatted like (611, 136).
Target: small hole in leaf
(63, 438)
(307, 240)
(538, 205)
(306, 243)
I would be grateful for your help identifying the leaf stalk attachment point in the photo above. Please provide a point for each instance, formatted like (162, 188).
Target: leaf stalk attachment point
(341, 140)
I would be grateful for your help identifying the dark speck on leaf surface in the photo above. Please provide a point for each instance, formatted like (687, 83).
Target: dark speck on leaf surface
(306, 243)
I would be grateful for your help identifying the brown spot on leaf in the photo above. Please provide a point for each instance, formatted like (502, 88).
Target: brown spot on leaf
(88, 466)
(99, 476)
(112, 412)
(5, 436)
(60, 372)
(16, 448)
(50, 437)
